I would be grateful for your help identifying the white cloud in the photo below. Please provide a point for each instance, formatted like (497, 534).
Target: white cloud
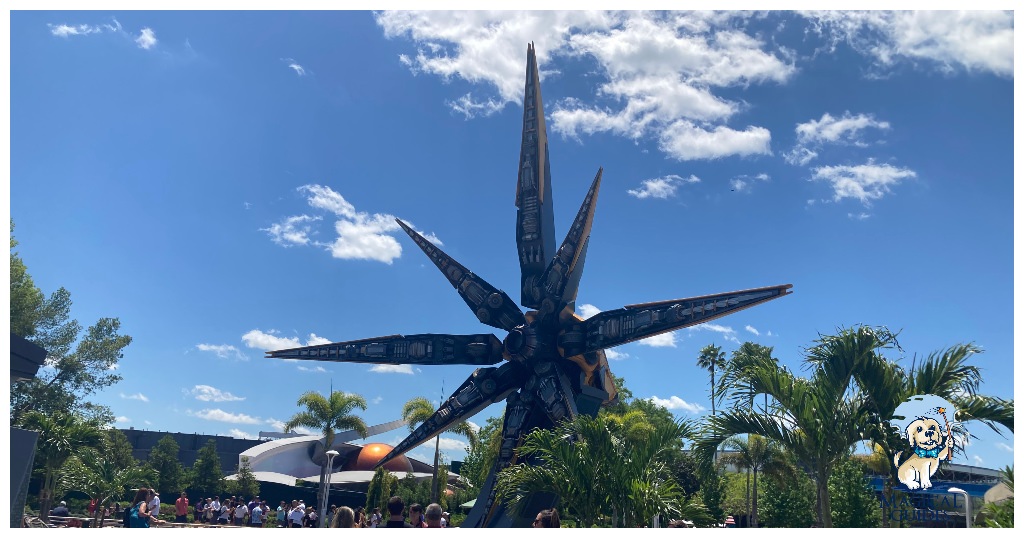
(239, 434)
(950, 40)
(661, 340)
(659, 71)
(223, 351)
(63, 30)
(122, 420)
(315, 369)
(146, 39)
(377, 400)
(278, 425)
(675, 402)
(473, 426)
(661, 187)
(727, 332)
(684, 141)
(359, 235)
(392, 369)
(978, 460)
(835, 130)
(223, 416)
(315, 340)
(858, 216)
(588, 310)
(137, 396)
(291, 231)
(299, 70)
(865, 182)
(268, 341)
(1005, 446)
(206, 393)
(745, 183)
(752, 330)
(613, 355)
(449, 445)
(800, 156)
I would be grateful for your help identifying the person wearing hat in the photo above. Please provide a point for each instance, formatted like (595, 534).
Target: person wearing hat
(445, 517)
(61, 510)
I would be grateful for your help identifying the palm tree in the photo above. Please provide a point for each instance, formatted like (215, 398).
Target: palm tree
(757, 454)
(60, 437)
(711, 358)
(853, 391)
(418, 410)
(734, 374)
(101, 478)
(597, 473)
(328, 415)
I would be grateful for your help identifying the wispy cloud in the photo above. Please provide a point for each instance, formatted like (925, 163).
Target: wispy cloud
(588, 310)
(64, 30)
(220, 415)
(392, 369)
(844, 130)
(270, 341)
(299, 70)
(661, 340)
(223, 351)
(675, 402)
(146, 39)
(206, 393)
(358, 235)
(659, 73)
(663, 187)
(377, 400)
(866, 182)
(746, 183)
(727, 332)
(946, 40)
(978, 460)
(278, 425)
(858, 216)
(137, 396)
(239, 434)
(1005, 446)
(315, 369)
(752, 330)
(613, 355)
(122, 420)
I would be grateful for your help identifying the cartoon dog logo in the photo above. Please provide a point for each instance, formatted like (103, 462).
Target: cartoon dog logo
(929, 445)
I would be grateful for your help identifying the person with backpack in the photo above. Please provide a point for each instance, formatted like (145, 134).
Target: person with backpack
(137, 515)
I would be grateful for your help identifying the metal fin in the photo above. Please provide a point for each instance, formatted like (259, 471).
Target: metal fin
(478, 349)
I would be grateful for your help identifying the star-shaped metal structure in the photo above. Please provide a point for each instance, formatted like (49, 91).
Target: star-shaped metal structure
(553, 362)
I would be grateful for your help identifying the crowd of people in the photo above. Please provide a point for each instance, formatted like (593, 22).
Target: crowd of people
(145, 508)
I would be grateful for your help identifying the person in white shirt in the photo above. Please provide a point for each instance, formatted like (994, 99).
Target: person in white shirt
(240, 512)
(295, 516)
(154, 503)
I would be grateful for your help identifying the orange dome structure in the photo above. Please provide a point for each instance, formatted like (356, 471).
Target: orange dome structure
(370, 454)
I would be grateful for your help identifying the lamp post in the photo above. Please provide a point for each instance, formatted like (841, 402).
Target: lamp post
(967, 504)
(327, 488)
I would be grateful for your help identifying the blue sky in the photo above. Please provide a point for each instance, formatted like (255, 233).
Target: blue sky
(225, 183)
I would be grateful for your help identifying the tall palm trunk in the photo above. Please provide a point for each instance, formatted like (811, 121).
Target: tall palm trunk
(715, 457)
(824, 501)
(747, 498)
(753, 510)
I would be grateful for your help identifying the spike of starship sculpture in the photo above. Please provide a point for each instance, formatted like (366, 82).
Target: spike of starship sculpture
(554, 362)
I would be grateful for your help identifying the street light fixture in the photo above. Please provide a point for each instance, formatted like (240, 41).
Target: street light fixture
(327, 488)
(967, 504)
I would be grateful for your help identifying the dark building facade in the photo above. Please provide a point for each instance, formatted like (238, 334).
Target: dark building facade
(189, 444)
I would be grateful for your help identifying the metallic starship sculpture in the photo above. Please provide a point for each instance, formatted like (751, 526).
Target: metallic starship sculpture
(554, 362)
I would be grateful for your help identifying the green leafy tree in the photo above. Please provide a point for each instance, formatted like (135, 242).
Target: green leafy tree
(246, 483)
(163, 459)
(712, 494)
(26, 299)
(328, 415)
(854, 504)
(118, 449)
(61, 436)
(481, 457)
(207, 476)
(757, 454)
(418, 410)
(382, 486)
(788, 502)
(97, 474)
